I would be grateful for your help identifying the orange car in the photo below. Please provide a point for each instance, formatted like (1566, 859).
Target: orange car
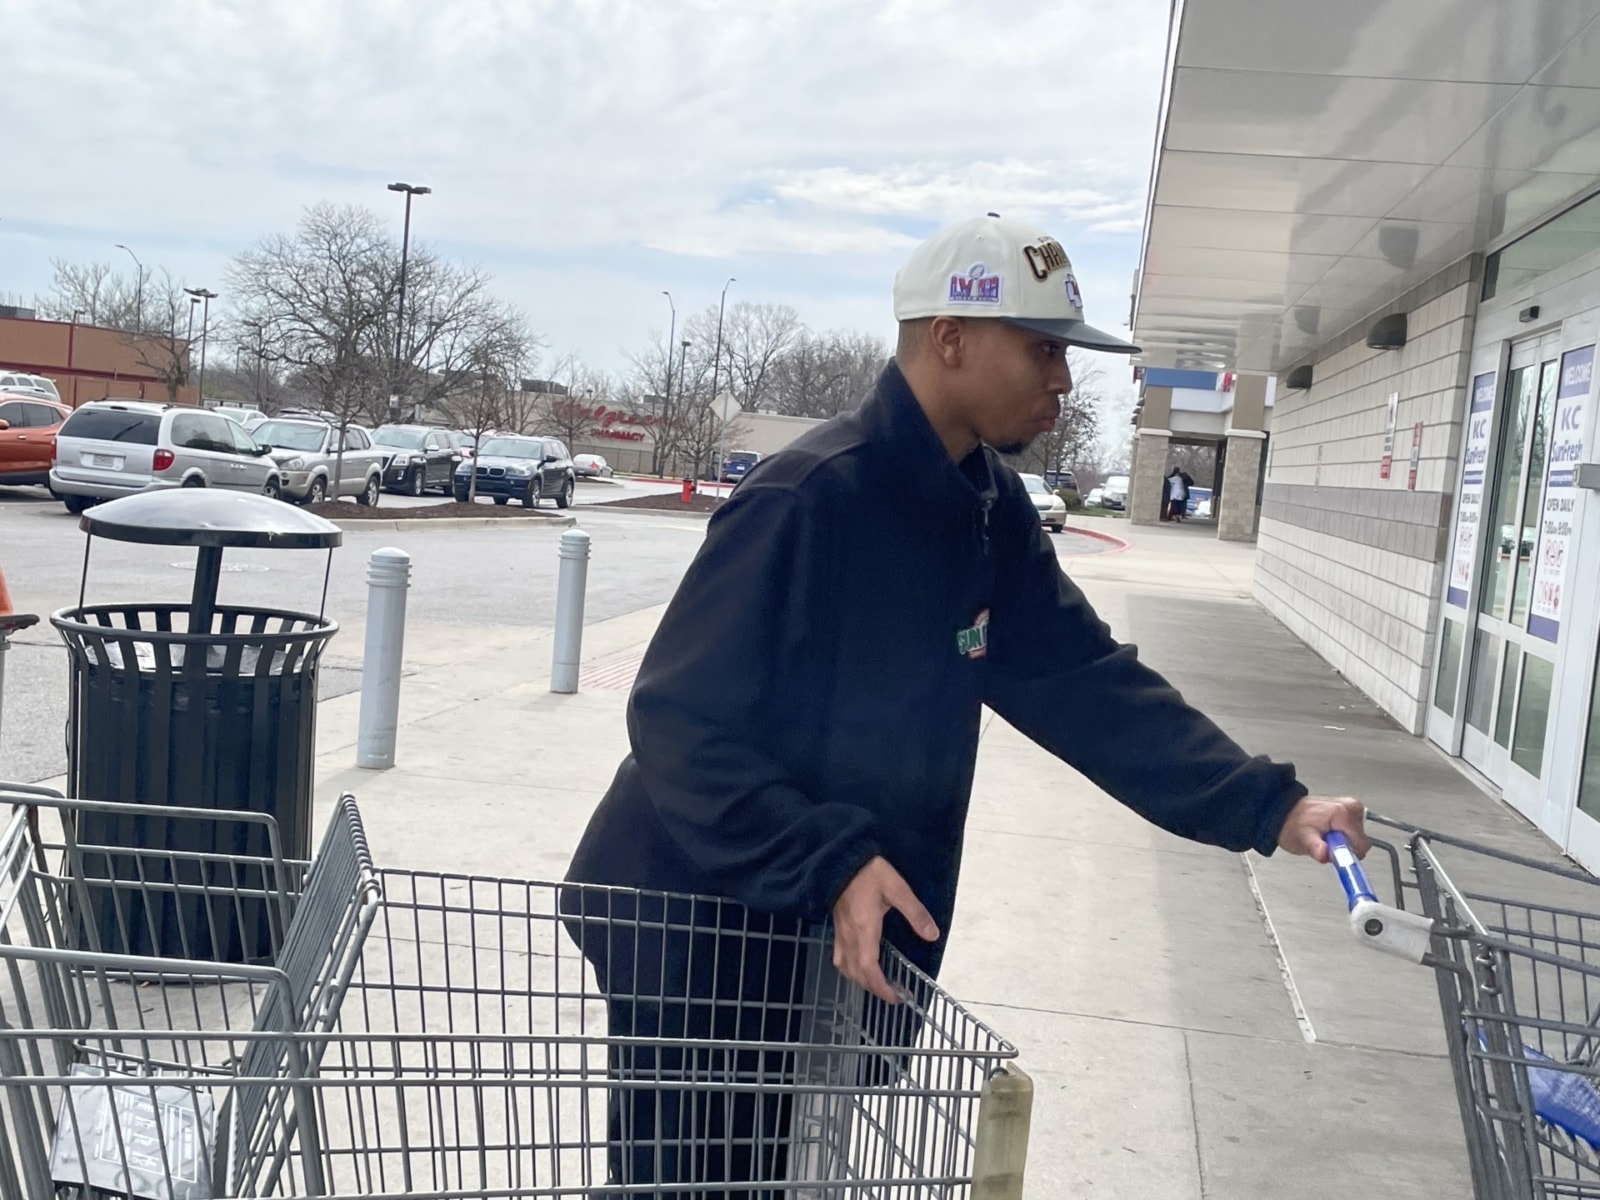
(28, 427)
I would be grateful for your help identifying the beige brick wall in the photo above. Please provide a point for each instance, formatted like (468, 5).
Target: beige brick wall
(1347, 560)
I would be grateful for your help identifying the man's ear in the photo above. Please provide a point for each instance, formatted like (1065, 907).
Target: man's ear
(947, 340)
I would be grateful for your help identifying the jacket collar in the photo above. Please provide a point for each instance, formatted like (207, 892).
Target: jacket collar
(892, 418)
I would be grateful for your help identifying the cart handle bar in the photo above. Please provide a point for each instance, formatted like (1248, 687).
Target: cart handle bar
(1352, 875)
(1384, 927)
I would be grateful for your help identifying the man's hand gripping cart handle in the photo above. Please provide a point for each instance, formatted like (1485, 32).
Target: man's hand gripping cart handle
(1384, 927)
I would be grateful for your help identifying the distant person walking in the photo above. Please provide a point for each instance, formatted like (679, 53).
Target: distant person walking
(1177, 491)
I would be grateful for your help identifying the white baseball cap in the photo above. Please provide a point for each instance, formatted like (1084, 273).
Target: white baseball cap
(990, 267)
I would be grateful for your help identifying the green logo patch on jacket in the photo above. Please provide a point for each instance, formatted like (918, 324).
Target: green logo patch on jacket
(973, 641)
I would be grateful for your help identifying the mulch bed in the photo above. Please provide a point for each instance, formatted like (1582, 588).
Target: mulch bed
(339, 510)
(699, 503)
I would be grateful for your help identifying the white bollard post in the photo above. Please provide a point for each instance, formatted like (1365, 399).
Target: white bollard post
(388, 578)
(570, 588)
(5, 645)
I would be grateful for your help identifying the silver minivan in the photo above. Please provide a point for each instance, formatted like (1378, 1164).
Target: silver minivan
(114, 448)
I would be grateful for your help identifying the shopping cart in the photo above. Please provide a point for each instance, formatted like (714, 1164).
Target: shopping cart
(123, 1074)
(429, 1034)
(1519, 988)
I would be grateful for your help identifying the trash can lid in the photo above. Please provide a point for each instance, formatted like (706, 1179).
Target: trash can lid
(208, 517)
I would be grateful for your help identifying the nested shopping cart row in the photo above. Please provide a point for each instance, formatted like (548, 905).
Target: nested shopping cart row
(419, 1034)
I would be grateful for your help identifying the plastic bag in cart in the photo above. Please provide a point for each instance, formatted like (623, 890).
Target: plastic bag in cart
(158, 1132)
(1569, 1101)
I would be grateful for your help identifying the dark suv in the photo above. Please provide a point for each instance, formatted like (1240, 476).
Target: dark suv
(417, 457)
(526, 469)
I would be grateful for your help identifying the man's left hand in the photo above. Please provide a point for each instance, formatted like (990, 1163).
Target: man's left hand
(1313, 816)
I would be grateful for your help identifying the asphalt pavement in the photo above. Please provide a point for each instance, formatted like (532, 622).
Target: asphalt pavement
(465, 581)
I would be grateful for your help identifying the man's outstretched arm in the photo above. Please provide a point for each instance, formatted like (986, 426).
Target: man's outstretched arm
(1057, 674)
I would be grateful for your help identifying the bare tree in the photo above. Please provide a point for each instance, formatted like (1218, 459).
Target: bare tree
(564, 405)
(823, 375)
(317, 298)
(162, 346)
(93, 289)
(491, 373)
(651, 384)
(321, 304)
(1075, 436)
(754, 338)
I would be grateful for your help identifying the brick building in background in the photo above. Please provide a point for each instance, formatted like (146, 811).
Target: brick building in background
(85, 361)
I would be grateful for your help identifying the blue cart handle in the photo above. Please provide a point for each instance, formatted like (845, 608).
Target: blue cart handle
(1404, 934)
(1351, 873)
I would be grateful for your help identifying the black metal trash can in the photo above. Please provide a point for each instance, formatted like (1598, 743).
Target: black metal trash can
(198, 706)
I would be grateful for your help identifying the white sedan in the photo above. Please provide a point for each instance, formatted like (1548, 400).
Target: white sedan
(1052, 508)
(591, 466)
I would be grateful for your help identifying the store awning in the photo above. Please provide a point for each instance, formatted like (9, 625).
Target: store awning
(1317, 160)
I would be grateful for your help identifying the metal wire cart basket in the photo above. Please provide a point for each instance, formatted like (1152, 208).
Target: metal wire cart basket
(422, 1034)
(1519, 990)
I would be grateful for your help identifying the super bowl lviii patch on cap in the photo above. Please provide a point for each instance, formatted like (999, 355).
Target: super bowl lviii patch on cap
(992, 267)
(976, 286)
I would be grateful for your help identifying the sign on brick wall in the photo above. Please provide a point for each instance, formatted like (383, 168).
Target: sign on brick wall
(1474, 458)
(1388, 436)
(1560, 493)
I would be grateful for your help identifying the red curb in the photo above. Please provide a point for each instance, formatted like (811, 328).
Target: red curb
(704, 485)
(1118, 545)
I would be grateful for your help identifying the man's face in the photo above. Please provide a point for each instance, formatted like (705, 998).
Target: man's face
(1015, 380)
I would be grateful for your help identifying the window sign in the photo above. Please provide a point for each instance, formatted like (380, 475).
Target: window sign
(1560, 492)
(1474, 460)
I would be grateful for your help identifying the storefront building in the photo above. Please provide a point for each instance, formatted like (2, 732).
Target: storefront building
(88, 362)
(1394, 210)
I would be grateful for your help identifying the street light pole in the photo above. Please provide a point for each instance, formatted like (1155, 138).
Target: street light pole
(716, 361)
(206, 295)
(410, 190)
(194, 303)
(138, 294)
(666, 401)
(260, 351)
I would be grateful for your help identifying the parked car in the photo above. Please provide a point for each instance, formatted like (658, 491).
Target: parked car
(246, 416)
(1199, 504)
(20, 383)
(1061, 481)
(1508, 540)
(28, 428)
(1114, 494)
(1092, 500)
(112, 448)
(309, 414)
(1052, 508)
(591, 466)
(308, 453)
(465, 442)
(419, 457)
(737, 465)
(525, 469)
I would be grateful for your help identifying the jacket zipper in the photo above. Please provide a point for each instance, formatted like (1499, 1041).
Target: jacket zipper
(983, 530)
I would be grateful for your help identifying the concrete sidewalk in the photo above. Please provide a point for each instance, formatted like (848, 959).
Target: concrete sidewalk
(1199, 1023)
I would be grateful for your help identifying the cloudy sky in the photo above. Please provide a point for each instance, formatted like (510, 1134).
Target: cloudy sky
(589, 153)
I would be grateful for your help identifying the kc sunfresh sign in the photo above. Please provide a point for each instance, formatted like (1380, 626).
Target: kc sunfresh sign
(1470, 510)
(1560, 493)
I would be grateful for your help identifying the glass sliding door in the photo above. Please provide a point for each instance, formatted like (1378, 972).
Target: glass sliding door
(1510, 672)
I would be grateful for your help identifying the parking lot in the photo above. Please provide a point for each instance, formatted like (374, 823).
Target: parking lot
(464, 581)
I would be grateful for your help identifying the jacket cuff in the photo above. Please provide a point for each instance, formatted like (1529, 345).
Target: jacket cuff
(836, 876)
(1273, 817)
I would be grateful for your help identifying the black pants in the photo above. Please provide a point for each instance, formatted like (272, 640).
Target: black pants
(700, 975)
